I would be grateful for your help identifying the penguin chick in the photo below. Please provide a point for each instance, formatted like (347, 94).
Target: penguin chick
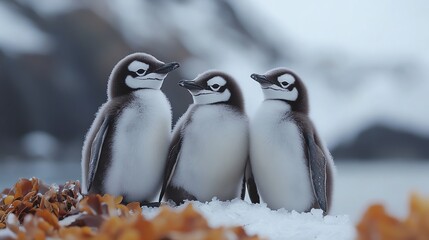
(126, 148)
(292, 168)
(209, 148)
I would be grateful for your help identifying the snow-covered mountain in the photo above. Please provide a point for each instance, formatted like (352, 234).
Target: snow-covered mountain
(56, 56)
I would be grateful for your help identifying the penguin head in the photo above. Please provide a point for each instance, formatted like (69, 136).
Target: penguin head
(138, 71)
(283, 84)
(214, 87)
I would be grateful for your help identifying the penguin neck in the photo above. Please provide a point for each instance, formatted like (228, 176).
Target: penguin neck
(286, 104)
(140, 91)
(143, 93)
(227, 104)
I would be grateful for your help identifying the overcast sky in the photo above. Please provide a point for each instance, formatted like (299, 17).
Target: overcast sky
(383, 28)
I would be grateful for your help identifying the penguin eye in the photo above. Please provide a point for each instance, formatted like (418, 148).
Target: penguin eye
(284, 84)
(290, 88)
(140, 71)
(215, 87)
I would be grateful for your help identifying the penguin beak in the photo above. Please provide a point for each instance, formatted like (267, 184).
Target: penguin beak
(190, 85)
(166, 68)
(260, 78)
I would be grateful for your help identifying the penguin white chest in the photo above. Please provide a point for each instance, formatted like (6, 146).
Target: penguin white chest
(278, 159)
(140, 146)
(213, 154)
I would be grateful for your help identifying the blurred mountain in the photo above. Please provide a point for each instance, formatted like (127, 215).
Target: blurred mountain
(384, 143)
(56, 59)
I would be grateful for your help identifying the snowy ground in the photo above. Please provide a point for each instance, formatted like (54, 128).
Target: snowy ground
(358, 183)
(258, 219)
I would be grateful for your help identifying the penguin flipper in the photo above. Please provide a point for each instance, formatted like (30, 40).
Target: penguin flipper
(318, 171)
(96, 147)
(173, 154)
(251, 185)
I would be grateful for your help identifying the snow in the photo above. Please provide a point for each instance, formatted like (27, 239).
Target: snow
(260, 220)
(6, 234)
(280, 224)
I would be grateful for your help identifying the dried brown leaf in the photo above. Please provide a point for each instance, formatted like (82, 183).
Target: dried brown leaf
(35, 210)
(48, 217)
(376, 223)
(8, 199)
(22, 187)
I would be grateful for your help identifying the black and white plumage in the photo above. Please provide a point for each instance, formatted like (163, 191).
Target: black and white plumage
(126, 148)
(292, 168)
(209, 148)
